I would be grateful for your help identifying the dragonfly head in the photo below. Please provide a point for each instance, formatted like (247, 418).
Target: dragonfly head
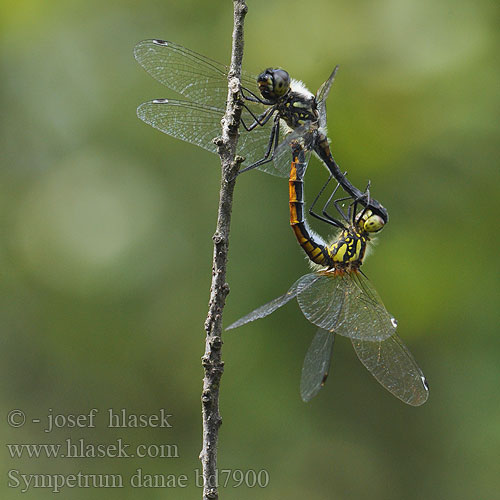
(273, 83)
(369, 222)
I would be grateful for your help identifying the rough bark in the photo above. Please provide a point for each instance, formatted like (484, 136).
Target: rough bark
(212, 359)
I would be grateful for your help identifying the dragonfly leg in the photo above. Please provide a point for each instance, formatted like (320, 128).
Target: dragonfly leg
(260, 120)
(353, 208)
(321, 192)
(336, 203)
(326, 217)
(322, 149)
(271, 147)
(253, 97)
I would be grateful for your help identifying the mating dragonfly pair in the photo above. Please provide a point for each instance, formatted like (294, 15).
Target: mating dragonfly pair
(282, 124)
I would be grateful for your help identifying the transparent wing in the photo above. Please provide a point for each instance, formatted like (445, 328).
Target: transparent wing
(322, 96)
(268, 308)
(392, 364)
(183, 120)
(253, 145)
(204, 82)
(283, 159)
(196, 77)
(316, 364)
(199, 125)
(283, 153)
(345, 303)
(200, 79)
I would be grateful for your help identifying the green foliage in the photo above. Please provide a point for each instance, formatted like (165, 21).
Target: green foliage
(106, 250)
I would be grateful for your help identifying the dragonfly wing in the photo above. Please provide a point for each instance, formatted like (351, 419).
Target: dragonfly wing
(283, 153)
(199, 125)
(283, 159)
(322, 95)
(204, 82)
(345, 303)
(321, 299)
(268, 308)
(183, 120)
(253, 145)
(200, 79)
(197, 77)
(394, 367)
(316, 364)
(365, 314)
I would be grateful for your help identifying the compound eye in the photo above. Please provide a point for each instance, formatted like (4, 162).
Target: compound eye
(281, 82)
(273, 83)
(373, 224)
(265, 82)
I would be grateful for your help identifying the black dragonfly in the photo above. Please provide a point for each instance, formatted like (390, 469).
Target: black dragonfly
(276, 111)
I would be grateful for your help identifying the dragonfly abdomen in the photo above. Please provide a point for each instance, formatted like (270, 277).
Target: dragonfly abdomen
(314, 246)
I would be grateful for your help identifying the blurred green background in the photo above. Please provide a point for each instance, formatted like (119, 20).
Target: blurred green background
(106, 247)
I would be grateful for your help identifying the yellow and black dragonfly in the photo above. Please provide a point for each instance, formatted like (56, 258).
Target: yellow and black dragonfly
(274, 105)
(339, 299)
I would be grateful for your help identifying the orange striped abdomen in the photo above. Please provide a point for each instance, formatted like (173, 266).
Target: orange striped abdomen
(313, 245)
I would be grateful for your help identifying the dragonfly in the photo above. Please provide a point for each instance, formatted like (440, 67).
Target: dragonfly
(339, 298)
(276, 110)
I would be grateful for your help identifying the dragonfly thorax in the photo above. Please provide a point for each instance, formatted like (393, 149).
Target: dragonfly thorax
(298, 109)
(348, 249)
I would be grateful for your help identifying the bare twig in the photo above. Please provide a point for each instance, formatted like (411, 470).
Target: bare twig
(212, 359)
